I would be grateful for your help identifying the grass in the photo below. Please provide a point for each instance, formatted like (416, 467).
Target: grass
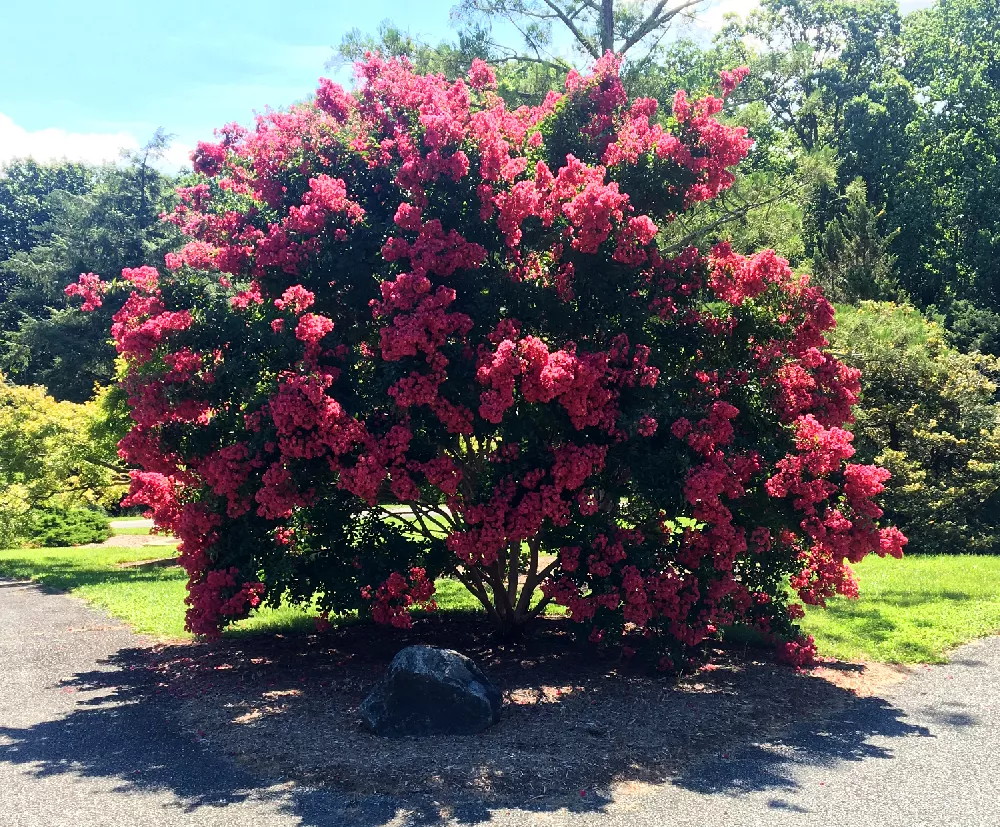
(139, 532)
(912, 610)
(151, 599)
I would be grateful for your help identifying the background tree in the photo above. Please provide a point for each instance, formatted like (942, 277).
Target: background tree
(950, 196)
(52, 457)
(853, 258)
(632, 30)
(25, 186)
(929, 414)
(971, 328)
(112, 224)
(827, 73)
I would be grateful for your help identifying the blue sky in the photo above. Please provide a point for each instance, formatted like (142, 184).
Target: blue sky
(83, 79)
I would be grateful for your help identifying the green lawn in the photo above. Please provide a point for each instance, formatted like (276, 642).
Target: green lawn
(910, 611)
(151, 600)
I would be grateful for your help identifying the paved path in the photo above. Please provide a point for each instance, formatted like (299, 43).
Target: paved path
(81, 747)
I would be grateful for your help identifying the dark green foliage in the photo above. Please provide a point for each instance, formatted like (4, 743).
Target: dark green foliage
(949, 194)
(57, 526)
(853, 260)
(105, 218)
(973, 329)
(25, 187)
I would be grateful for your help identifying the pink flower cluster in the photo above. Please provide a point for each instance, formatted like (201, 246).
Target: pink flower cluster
(90, 288)
(397, 596)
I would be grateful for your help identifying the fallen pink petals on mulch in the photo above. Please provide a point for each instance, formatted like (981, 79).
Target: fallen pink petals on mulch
(288, 707)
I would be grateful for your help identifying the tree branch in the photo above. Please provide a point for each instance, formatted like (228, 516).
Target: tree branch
(560, 67)
(733, 215)
(531, 583)
(473, 582)
(656, 18)
(569, 24)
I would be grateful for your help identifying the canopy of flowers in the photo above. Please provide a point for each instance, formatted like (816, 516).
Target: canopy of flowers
(416, 332)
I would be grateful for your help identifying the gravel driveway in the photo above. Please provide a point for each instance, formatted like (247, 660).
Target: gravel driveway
(82, 744)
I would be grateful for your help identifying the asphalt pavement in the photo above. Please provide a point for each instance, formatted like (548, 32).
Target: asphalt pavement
(83, 743)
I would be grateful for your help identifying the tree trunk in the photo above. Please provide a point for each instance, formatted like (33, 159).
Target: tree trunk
(607, 26)
(508, 601)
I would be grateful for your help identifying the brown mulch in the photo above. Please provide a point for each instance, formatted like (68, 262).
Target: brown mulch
(862, 679)
(572, 723)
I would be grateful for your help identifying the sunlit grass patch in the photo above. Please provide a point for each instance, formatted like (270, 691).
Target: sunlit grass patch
(911, 610)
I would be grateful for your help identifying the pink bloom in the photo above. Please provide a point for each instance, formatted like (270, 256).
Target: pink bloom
(90, 287)
(481, 75)
(730, 80)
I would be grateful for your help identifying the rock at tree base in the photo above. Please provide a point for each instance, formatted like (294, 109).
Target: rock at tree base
(430, 691)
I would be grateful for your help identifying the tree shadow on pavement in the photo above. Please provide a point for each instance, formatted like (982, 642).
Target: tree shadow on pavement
(771, 766)
(237, 721)
(112, 733)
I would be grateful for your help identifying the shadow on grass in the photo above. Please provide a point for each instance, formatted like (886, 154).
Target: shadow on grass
(910, 599)
(66, 577)
(870, 627)
(263, 708)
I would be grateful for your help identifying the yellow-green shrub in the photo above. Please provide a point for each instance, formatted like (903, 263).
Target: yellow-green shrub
(49, 458)
(929, 414)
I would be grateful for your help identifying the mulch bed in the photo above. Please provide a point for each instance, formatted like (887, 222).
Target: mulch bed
(573, 724)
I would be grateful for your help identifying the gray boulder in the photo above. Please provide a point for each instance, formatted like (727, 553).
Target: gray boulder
(430, 691)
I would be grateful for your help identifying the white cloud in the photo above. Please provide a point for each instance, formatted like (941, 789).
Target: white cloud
(712, 15)
(90, 147)
(175, 158)
(55, 144)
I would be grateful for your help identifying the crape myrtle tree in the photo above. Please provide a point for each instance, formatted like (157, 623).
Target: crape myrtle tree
(415, 333)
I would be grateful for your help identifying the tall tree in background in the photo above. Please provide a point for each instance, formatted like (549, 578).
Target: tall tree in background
(827, 74)
(24, 188)
(815, 56)
(633, 30)
(950, 200)
(853, 258)
(110, 225)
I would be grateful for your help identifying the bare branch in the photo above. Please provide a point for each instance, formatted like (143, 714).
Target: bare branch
(656, 19)
(567, 21)
(732, 215)
(560, 67)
